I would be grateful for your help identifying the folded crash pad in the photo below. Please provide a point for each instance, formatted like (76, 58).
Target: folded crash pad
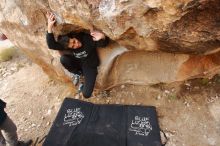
(80, 123)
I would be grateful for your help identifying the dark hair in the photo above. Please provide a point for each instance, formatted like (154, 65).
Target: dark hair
(63, 40)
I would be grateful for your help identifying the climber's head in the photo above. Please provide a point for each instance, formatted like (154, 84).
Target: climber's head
(74, 43)
(70, 42)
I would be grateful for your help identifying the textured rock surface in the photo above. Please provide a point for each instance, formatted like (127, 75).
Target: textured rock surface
(148, 33)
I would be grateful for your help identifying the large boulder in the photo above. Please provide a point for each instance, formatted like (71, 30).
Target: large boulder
(153, 41)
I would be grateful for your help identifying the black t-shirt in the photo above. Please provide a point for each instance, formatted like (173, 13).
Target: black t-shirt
(3, 114)
(86, 54)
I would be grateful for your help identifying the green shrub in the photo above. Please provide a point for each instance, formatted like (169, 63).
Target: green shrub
(172, 96)
(204, 81)
(6, 54)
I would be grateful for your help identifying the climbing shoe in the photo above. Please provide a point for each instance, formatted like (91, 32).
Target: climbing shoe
(75, 79)
(80, 88)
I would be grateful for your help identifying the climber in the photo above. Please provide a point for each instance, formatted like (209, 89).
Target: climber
(9, 129)
(78, 53)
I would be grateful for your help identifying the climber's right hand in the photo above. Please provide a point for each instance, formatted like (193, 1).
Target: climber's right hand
(51, 21)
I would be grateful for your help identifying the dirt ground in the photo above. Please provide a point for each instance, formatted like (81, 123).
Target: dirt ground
(189, 112)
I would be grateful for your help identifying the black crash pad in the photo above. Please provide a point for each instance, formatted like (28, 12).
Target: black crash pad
(80, 123)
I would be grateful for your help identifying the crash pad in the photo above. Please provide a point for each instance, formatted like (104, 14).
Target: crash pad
(80, 123)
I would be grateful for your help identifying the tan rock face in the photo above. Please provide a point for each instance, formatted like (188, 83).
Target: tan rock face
(196, 32)
(154, 39)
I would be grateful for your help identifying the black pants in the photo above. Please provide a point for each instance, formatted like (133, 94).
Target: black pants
(74, 66)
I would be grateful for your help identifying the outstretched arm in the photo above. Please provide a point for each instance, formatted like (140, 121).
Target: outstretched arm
(99, 37)
(51, 42)
(51, 21)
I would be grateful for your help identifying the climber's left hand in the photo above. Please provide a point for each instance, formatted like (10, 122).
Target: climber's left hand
(96, 35)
